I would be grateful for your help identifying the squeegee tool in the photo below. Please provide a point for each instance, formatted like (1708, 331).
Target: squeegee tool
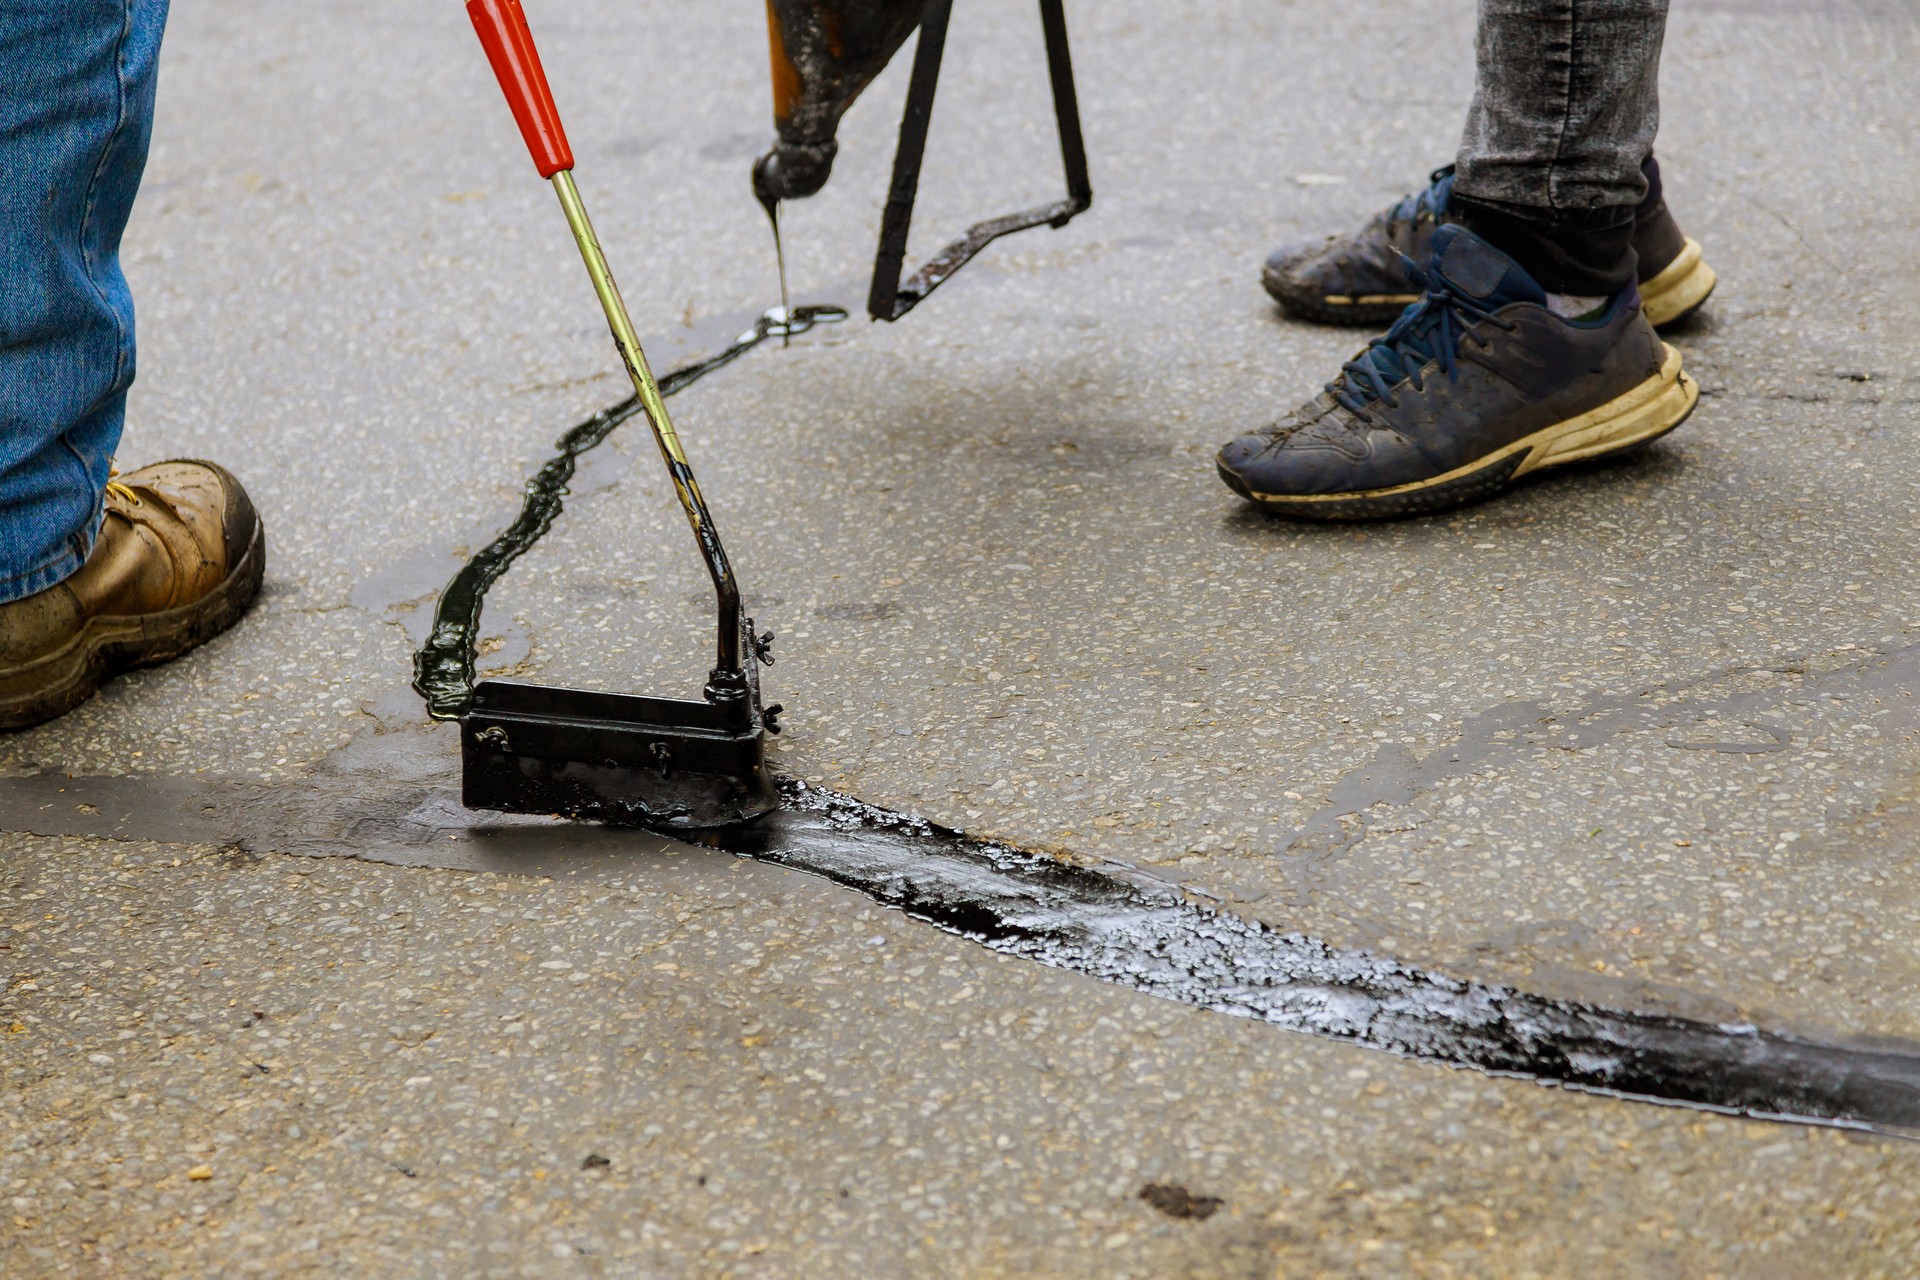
(624, 758)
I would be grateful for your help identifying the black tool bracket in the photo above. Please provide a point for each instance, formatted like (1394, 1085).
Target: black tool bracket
(889, 299)
(622, 758)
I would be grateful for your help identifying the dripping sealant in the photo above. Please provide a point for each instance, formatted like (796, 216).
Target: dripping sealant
(443, 668)
(771, 203)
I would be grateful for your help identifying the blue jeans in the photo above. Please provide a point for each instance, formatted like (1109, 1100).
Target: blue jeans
(76, 110)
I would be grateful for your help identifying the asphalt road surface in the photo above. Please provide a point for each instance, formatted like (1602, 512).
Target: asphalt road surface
(1641, 737)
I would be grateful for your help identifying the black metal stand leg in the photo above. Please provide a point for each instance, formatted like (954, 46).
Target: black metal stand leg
(898, 218)
(889, 299)
(1066, 103)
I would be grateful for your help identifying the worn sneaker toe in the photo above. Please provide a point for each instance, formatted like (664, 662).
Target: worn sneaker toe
(1276, 272)
(1472, 388)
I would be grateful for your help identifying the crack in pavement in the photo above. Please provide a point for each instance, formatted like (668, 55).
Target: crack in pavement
(1516, 731)
(1134, 931)
(1111, 923)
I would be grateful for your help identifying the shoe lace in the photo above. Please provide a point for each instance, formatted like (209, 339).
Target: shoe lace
(1424, 202)
(121, 491)
(1432, 328)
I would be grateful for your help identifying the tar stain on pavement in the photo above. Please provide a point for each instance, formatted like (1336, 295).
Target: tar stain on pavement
(1141, 933)
(1113, 923)
(1176, 1201)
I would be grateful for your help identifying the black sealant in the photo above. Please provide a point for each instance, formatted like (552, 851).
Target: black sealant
(1111, 923)
(1151, 937)
(443, 667)
(1148, 935)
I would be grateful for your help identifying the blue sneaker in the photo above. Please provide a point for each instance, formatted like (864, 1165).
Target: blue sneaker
(1473, 387)
(1363, 279)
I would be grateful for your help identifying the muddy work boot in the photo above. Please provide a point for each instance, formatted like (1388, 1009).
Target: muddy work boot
(1472, 388)
(1362, 279)
(178, 559)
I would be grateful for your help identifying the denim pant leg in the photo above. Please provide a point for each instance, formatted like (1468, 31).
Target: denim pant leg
(1564, 114)
(76, 110)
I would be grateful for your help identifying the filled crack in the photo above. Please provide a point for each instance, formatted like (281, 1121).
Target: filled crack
(1114, 924)
(1147, 935)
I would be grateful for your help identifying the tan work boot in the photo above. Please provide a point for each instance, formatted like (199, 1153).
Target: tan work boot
(179, 558)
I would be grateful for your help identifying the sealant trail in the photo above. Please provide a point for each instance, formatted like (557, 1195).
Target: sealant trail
(1148, 936)
(1106, 923)
(443, 666)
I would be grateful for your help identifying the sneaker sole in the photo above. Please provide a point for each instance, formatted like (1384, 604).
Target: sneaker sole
(1376, 310)
(1679, 289)
(55, 684)
(1669, 298)
(1644, 414)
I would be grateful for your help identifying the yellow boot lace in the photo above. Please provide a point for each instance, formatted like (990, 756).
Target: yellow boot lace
(119, 490)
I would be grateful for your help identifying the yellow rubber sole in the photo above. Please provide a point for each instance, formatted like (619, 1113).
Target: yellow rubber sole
(1680, 288)
(1669, 297)
(1371, 300)
(1651, 409)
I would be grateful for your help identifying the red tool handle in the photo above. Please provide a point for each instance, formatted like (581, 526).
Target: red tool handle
(502, 26)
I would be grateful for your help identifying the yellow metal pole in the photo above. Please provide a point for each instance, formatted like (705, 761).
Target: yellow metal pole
(617, 318)
(655, 408)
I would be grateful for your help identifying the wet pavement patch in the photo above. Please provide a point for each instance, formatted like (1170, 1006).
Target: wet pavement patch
(1110, 922)
(1517, 729)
